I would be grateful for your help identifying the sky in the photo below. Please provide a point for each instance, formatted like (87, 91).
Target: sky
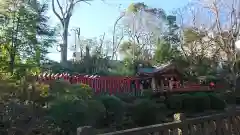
(99, 17)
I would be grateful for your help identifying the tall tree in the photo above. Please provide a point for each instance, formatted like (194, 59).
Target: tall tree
(25, 33)
(214, 24)
(144, 25)
(165, 52)
(64, 15)
(226, 29)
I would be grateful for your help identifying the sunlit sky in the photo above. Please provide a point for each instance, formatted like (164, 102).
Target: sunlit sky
(99, 17)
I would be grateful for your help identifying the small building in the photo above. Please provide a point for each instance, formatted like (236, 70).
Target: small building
(160, 78)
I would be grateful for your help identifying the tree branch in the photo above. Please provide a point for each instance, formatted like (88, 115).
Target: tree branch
(86, 1)
(55, 12)
(60, 7)
(115, 48)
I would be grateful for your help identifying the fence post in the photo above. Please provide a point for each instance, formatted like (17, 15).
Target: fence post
(86, 130)
(179, 117)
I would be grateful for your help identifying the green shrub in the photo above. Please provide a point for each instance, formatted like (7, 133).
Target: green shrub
(148, 93)
(202, 101)
(175, 102)
(162, 112)
(63, 89)
(237, 100)
(217, 102)
(69, 115)
(114, 109)
(60, 86)
(161, 107)
(197, 102)
(81, 91)
(189, 102)
(144, 112)
(229, 97)
(127, 98)
(96, 112)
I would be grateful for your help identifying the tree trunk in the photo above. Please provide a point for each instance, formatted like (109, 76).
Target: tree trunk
(11, 63)
(64, 45)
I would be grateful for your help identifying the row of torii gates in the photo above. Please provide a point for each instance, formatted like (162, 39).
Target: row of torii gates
(100, 84)
(163, 79)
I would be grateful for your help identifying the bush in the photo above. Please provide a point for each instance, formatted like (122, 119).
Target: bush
(20, 116)
(63, 89)
(59, 86)
(69, 115)
(237, 100)
(162, 112)
(175, 102)
(197, 102)
(127, 98)
(188, 102)
(144, 112)
(82, 91)
(230, 97)
(217, 102)
(96, 112)
(202, 102)
(41, 95)
(114, 109)
(148, 93)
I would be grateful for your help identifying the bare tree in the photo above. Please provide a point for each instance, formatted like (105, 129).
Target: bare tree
(117, 39)
(195, 45)
(64, 15)
(220, 26)
(100, 45)
(143, 25)
(226, 24)
(97, 45)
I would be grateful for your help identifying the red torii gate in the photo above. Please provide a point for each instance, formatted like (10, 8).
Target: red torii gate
(100, 84)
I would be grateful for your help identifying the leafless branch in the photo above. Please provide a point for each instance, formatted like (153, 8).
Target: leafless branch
(102, 41)
(86, 1)
(114, 44)
(60, 7)
(55, 12)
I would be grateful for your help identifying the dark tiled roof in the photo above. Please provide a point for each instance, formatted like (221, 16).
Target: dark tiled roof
(156, 69)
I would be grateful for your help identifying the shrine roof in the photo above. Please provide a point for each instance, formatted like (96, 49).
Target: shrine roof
(156, 69)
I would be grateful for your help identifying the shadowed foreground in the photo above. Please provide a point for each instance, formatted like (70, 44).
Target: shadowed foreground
(227, 123)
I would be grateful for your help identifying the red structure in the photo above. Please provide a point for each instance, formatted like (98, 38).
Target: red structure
(161, 79)
(100, 84)
(168, 78)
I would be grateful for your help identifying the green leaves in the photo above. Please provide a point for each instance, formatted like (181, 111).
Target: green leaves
(165, 52)
(140, 6)
(132, 8)
(25, 35)
(191, 35)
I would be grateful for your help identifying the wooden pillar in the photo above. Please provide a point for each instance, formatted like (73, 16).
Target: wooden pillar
(153, 84)
(162, 84)
(171, 83)
(178, 117)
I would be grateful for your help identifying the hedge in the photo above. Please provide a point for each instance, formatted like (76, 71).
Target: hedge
(197, 102)
(175, 102)
(114, 109)
(188, 102)
(216, 102)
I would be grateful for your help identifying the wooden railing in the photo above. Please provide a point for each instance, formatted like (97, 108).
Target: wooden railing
(227, 123)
